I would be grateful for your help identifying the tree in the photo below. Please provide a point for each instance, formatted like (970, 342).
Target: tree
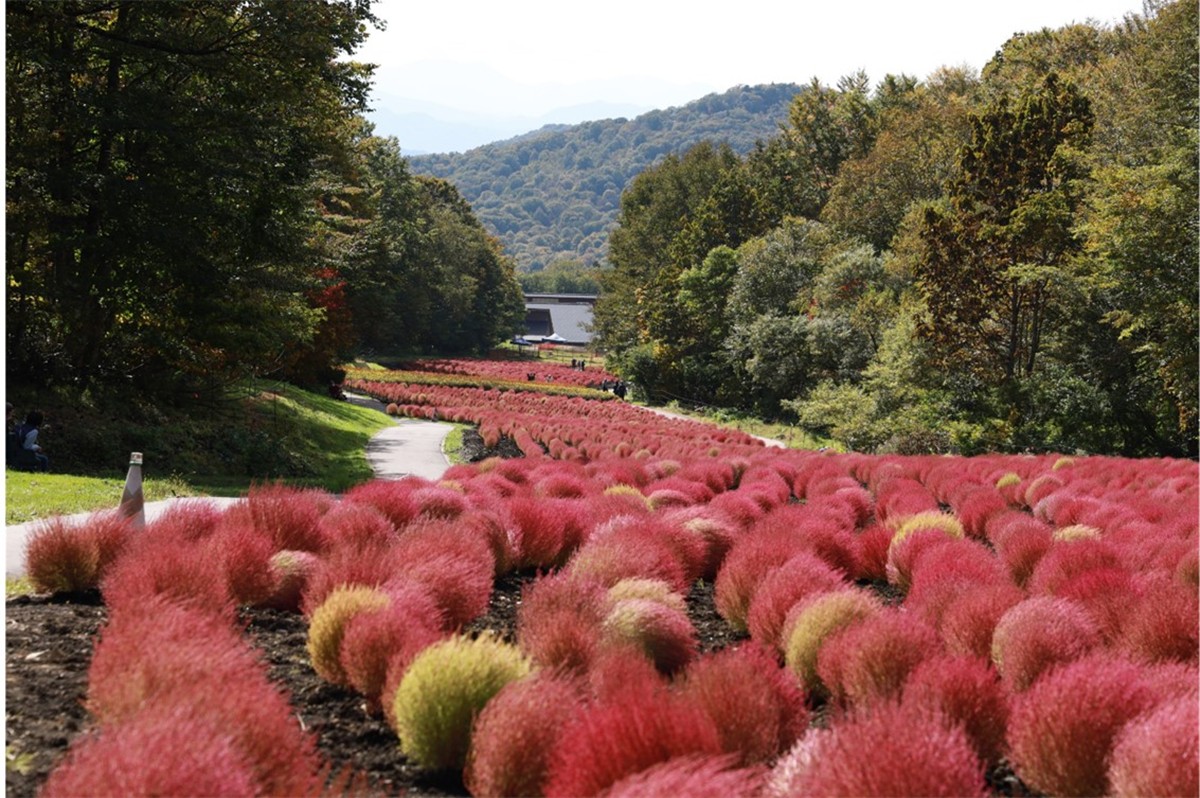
(1141, 221)
(1000, 244)
(156, 152)
(911, 159)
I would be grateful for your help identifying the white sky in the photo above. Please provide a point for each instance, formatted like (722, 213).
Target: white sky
(549, 52)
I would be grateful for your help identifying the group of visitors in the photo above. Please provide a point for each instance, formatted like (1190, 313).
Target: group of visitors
(618, 387)
(22, 450)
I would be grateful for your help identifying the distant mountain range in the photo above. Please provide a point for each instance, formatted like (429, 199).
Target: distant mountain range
(429, 127)
(553, 194)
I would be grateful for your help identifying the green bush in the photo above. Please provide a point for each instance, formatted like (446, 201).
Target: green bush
(328, 625)
(443, 691)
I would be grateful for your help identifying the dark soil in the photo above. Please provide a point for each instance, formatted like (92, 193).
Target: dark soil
(49, 646)
(473, 449)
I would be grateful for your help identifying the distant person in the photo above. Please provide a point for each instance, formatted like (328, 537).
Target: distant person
(620, 390)
(31, 450)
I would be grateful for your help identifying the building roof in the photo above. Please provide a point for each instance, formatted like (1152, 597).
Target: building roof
(572, 322)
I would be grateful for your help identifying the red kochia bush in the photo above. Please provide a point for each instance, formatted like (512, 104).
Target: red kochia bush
(1039, 633)
(635, 730)
(244, 555)
(1066, 559)
(968, 624)
(1062, 729)
(515, 733)
(626, 548)
(748, 562)
(1021, 543)
(818, 528)
(1158, 753)
(347, 565)
(63, 558)
(393, 498)
(550, 530)
(289, 515)
(871, 553)
(374, 641)
(1163, 625)
(663, 634)
(943, 573)
(357, 525)
(160, 751)
(164, 567)
(693, 776)
(802, 576)
(757, 707)
(967, 690)
(454, 564)
(558, 621)
(888, 750)
(869, 661)
(163, 654)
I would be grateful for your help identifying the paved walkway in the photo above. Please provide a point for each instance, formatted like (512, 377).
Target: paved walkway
(407, 448)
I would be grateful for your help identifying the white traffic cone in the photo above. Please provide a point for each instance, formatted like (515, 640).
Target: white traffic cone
(132, 502)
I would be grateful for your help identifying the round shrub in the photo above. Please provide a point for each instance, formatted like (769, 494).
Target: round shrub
(969, 622)
(160, 751)
(693, 776)
(374, 640)
(328, 625)
(515, 733)
(1062, 729)
(871, 553)
(743, 570)
(967, 691)
(356, 524)
(803, 575)
(1022, 550)
(1158, 753)
(290, 571)
(558, 621)
(1066, 559)
(941, 574)
(290, 516)
(58, 559)
(1164, 625)
(889, 750)
(625, 554)
(810, 624)
(758, 709)
(445, 687)
(869, 661)
(651, 589)
(665, 635)
(903, 553)
(635, 729)
(1037, 634)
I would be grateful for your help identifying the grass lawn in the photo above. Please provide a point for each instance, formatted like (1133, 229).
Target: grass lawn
(327, 435)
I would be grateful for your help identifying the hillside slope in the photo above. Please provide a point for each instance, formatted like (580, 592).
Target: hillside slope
(553, 194)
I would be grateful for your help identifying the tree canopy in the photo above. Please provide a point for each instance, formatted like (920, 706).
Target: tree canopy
(969, 262)
(193, 195)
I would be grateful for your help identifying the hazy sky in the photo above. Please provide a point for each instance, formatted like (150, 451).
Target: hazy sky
(527, 56)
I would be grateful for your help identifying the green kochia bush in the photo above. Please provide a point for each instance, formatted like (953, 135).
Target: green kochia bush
(443, 691)
(328, 626)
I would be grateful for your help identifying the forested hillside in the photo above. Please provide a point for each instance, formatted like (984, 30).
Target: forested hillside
(969, 262)
(553, 194)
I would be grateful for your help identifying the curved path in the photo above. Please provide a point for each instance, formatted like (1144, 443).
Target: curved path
(407, 448)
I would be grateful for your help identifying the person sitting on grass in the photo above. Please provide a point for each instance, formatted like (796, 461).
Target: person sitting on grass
(32, 455)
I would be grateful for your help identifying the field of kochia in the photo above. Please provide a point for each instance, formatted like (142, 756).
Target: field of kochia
(926, 625)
